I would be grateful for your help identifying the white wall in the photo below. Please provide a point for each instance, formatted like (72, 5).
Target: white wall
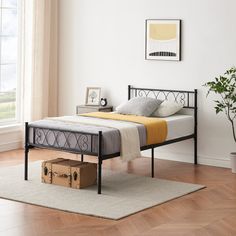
(101, 43)
(10, 137)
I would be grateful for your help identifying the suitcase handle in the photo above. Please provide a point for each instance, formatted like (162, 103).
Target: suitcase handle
(61, 175)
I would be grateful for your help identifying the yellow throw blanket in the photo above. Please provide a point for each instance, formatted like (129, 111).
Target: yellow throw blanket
(156, 128)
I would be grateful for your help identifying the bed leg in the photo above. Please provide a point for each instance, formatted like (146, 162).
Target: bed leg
(99, 181)
(152, 163)
(195, 150)
(26, 150)
(195, 126)
(26, 162)
(82, 157)
(99, 177)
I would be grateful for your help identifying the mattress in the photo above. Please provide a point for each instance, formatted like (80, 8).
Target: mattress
(67, 136)
(179, 126)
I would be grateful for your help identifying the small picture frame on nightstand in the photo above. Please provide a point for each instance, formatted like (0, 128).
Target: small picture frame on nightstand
(93, 96)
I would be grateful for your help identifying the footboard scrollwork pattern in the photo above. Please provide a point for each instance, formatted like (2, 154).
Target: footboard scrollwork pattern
(66, 140)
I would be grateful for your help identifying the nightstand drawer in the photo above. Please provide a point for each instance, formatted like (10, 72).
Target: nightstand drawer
(86, 109)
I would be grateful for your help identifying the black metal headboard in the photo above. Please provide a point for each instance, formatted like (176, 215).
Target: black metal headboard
(187, 98)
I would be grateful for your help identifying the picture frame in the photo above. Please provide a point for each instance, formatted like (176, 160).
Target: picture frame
(163, 39)
(93, 95)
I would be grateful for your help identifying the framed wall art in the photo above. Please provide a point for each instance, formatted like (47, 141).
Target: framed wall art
(163, 40)
(93, 95)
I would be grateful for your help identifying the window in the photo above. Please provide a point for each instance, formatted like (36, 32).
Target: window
(9, 85)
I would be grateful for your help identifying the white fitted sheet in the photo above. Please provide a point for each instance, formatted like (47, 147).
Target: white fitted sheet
(179, 125)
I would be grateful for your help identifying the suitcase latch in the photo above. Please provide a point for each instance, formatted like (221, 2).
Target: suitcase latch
(45, 170)
(75, 176)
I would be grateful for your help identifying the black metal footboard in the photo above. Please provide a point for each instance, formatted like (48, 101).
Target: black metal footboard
(64, 140)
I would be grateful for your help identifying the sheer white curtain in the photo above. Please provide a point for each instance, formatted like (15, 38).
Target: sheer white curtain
(39, 58)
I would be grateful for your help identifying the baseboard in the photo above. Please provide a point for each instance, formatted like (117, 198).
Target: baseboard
(183, 157)
(10, 146)
(214, 161)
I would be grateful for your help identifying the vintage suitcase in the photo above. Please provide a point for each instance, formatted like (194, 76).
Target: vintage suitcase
(83, 175)
(47, 169)
(69, 173)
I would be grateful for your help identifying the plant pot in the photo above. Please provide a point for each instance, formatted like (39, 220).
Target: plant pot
(233, 161)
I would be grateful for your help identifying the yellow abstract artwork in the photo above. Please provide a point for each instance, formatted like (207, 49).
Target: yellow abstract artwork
(162, 31)
(163, 40)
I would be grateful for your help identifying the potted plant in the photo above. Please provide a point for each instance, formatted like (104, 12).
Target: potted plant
(225, 87)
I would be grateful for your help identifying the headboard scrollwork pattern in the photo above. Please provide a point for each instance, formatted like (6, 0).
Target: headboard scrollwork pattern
(186, 98)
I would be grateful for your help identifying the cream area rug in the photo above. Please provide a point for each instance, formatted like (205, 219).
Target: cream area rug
(122, 194)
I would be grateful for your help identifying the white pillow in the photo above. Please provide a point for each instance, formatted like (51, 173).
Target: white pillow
(167, 108)
(139, 106)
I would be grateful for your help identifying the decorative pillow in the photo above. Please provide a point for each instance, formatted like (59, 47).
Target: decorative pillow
(167, 108)
(139, 106)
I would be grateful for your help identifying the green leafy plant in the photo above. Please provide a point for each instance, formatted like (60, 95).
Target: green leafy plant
(225, 87)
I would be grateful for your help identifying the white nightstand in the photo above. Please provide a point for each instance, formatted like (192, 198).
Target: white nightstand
(86, 109)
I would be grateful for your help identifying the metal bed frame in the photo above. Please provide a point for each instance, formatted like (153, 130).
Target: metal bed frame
(40, 135)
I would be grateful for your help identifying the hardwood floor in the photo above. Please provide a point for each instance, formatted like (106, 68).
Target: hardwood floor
(211, 211)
